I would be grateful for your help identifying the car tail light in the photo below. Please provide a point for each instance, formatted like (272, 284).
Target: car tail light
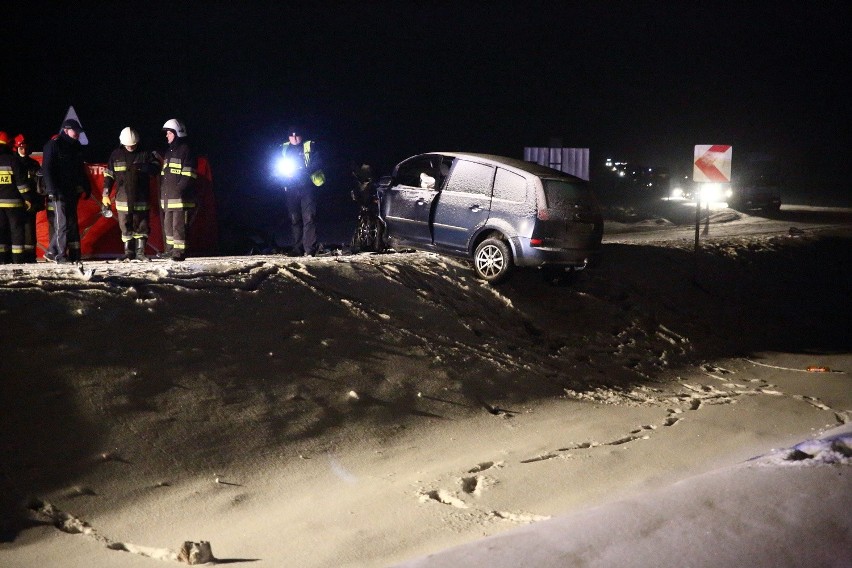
(536, 242)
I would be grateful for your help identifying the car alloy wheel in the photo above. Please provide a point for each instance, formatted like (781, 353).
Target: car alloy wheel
(492, 260)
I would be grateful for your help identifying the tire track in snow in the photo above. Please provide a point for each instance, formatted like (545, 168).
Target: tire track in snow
(70, 524)
(692, 398)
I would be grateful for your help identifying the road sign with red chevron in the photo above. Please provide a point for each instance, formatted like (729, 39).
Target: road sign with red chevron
(712, 163)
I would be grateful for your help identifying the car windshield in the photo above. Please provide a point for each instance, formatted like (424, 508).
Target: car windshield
(561, 194)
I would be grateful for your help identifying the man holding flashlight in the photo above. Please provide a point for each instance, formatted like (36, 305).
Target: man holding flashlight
(300, 167)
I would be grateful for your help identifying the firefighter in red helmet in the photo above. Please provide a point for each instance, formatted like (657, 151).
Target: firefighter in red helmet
(29, 168)
(15, 201)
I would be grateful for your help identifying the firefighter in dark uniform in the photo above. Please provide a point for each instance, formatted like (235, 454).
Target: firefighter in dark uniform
(66, 181)
(177, 190)
(302, 174)
(15, 200)
(128, 171)
(30, 168)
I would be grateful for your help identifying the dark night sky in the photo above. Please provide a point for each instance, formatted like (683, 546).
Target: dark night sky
(638, 81)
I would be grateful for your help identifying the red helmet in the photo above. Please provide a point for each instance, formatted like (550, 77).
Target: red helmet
(4, 138)
(19, 141)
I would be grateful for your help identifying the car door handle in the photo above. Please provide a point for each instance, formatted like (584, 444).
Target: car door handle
(420, 201)
(475, 208)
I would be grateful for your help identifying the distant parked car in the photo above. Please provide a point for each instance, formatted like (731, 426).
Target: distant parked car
(501, 212)
(756, 192)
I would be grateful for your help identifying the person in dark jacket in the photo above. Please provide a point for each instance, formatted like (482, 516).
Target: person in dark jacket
(30, 168)
(66, 180)
(301, 171)
(177, 190)
(15, 201)
(129, 171)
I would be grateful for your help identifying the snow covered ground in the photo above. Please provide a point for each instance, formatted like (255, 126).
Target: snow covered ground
(787, 508)
(366, 410)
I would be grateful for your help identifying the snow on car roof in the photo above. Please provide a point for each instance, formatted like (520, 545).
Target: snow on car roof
(511, 163)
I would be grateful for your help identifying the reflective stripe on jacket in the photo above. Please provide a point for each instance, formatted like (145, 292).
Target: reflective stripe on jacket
(13, 182)
(177, 178)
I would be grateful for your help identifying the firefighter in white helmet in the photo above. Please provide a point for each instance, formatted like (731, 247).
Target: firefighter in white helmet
(129, 172)
(177, 190)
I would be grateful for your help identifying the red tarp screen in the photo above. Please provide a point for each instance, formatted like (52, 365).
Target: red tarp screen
(101, 236)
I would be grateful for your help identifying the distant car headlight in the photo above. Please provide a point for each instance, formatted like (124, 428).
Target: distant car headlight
(677, 193)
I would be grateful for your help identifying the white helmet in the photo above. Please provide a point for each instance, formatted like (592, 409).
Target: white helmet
(177, 126)
(128, 137)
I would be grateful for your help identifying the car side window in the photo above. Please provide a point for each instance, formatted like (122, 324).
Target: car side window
(470, 177)
(418, 173)
(510, 186)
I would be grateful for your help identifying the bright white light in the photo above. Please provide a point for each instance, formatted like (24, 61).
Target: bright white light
(714, 195)
(285, 167)
(677, 193)
(621, 174)
(711, 192)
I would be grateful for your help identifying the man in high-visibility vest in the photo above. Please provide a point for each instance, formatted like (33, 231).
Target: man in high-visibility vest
(302, 174)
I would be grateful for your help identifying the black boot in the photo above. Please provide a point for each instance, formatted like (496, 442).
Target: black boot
(129, 251)
(140, 249)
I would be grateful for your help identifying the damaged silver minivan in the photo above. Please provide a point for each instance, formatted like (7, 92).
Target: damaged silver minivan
(501, 212)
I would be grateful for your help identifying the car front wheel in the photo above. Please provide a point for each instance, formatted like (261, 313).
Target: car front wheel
(492, 260)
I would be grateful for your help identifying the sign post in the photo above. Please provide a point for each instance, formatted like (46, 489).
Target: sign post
(712, 164)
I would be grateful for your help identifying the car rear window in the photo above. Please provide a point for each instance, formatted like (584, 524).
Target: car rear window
(510, 186)
(563, 194)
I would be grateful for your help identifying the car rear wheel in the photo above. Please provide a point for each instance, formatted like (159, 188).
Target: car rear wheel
(492, 260)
